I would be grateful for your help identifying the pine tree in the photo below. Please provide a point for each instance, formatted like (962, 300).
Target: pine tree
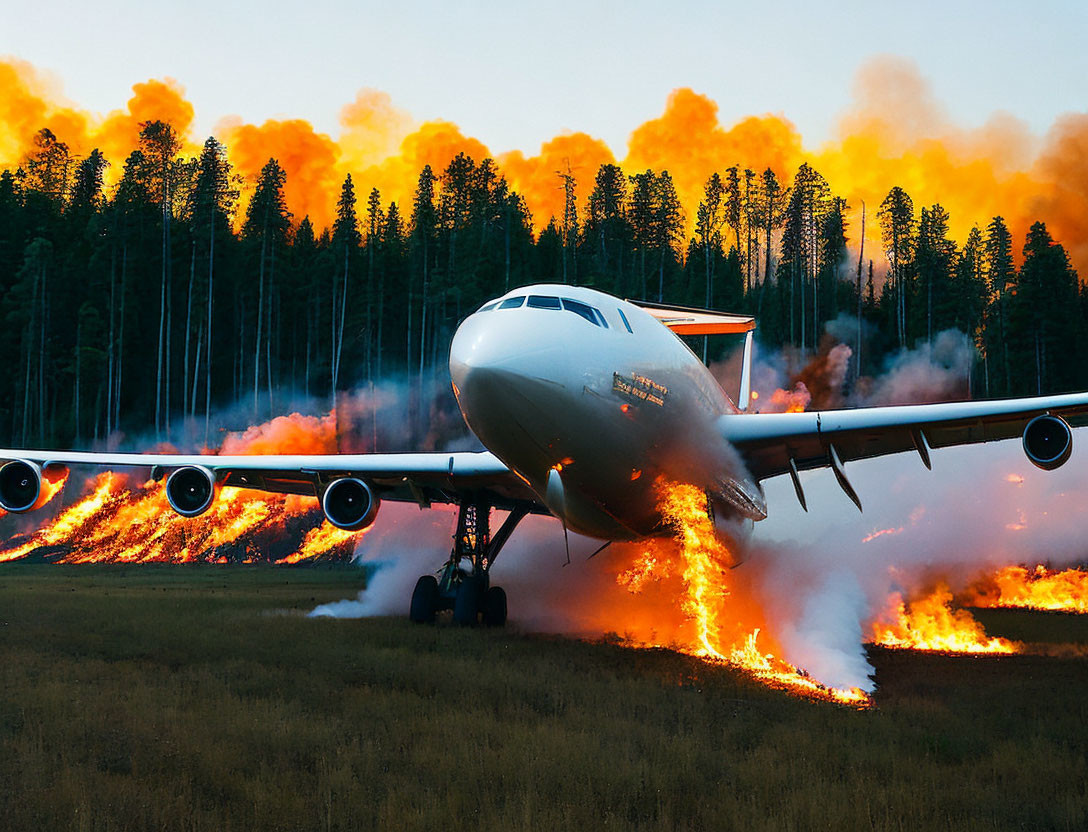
(807, 208)
(896, 217)
(1044, 328)
(86, 198)
(605, 226)
(265, 230)
(668, 224)
(1001, 275)
(569, 226)
(48, 167)
(424, 227)
(346, 239)
(708, 222)
(160, 146)
(933, 265)
(968, 293)
(375, 221)
(640, 214)
(213, 199)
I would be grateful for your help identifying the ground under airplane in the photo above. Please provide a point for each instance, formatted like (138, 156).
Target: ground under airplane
(584, 402)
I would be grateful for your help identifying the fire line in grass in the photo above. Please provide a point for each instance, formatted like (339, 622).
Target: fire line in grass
(121, 520)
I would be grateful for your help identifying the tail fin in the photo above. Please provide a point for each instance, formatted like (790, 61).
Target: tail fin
(745, 395)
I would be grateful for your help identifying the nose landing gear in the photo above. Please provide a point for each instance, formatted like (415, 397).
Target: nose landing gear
(464, 582)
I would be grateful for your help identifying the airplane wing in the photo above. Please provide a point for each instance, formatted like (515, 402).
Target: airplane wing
(423, 478)
(781, 443)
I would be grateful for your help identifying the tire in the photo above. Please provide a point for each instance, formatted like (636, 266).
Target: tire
(424, 600)
(495, 607)
(466, 606)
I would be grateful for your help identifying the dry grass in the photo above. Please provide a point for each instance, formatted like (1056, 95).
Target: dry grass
(179, 698)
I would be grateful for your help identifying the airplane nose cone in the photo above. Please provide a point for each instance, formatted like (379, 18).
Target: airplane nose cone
(471, 351)
(497, 359)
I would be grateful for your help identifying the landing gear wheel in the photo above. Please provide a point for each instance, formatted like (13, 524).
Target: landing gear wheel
(466, 607)
(495, 607)
(424, 600)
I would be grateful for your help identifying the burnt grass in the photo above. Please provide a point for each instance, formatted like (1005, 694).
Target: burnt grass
(195, 698)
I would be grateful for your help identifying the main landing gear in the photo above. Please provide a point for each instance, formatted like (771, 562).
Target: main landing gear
(464, 583)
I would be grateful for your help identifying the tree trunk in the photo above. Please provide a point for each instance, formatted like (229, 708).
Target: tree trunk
(196, 375)
(188, 326)
(661, 277)
(162, 333)
(121, 335)
(111, 344)
(423, 310)
(260, 320)
(208, 359)
(271, 319)
(79, 375)
(28, 343)
(861, 256)
(44, 295)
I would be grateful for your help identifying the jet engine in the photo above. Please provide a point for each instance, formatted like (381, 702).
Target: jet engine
(1048, 441)
(350, 504)
(20, 486)
(190, 490)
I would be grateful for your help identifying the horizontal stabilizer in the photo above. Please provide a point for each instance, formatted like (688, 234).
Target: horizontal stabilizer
(686, 321)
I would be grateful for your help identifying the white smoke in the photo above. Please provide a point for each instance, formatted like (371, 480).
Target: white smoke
(980, 508)
(544, 592)
(823, 576)
(932, 372)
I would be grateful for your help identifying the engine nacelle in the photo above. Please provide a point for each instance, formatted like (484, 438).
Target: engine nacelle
(20, 486)
(350, 504)
(191, 490)
(1048, 441)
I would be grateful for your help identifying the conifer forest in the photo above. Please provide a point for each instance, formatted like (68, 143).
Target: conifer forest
(180, 288)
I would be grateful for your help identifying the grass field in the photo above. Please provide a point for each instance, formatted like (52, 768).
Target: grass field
(200, 698)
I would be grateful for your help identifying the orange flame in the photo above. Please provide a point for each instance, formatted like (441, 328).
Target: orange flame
(724, 631)
(651, 566)
(1038, 589)
(880, 533)
(116, 522)
(895, 133)
(931, 624)
(786, 401)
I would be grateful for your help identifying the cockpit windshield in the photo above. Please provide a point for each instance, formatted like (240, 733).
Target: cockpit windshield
(543, 302)
(582, 310)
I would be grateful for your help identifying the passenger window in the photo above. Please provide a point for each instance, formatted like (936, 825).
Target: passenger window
(543, 302)
(624, 319)
(512, 303)
(581, 309)
(488, 307)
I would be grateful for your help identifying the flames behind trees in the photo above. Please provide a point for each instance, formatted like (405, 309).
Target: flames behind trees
(895, 132)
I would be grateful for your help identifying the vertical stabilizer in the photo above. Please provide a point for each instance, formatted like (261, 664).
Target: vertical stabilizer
(746, 373)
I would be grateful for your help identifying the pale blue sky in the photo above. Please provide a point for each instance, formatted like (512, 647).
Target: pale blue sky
(515, 75)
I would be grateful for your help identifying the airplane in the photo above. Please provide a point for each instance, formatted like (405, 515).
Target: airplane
(584, 402)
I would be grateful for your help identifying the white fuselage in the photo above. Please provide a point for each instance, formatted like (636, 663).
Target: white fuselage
(594, 402)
